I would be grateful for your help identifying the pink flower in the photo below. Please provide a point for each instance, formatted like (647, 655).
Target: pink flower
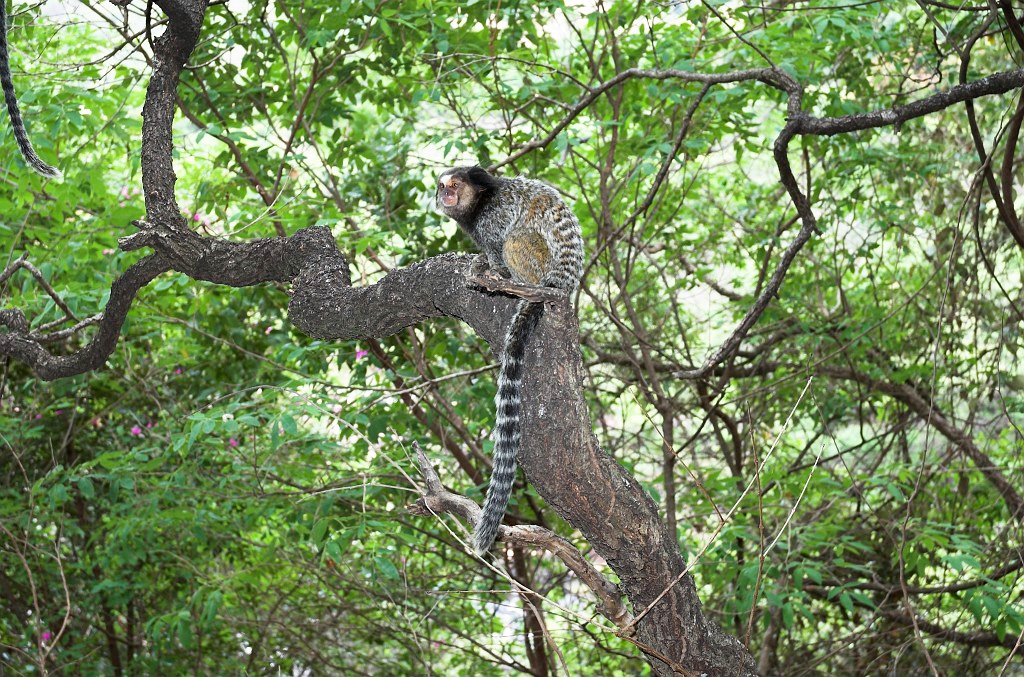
(38, 416)
(269, 329)
(198, 216)
(150, 424)
(47, 636)
(108, 252)
(136, 431)
(58, 412)
(178, 371)
(232, 442)
(360, 354)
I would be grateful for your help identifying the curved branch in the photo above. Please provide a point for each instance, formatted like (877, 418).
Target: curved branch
(237, 264)
(999, 83)
(770, 76)
(799, 124)
(1006, 211)
(19, 345)
(171, 52)
(809, 226)
(436, 500)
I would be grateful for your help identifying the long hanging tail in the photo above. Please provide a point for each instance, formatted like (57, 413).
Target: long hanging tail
(20, 133)
(507, 431)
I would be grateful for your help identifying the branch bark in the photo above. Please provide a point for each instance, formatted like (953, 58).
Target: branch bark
(437, 500)
(170, 53)
(559, 454)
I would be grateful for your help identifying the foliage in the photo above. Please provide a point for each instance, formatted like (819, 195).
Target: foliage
(226, 495)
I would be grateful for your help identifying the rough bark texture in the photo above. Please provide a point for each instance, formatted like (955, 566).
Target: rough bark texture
(324, 306)
(563, 461)
(560, 454)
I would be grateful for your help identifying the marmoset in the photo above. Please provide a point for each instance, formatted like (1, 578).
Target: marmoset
(528, 234)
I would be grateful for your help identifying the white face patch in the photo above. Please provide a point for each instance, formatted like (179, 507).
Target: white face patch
(446, 196)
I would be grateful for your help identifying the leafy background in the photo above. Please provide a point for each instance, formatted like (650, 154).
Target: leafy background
(226, 496)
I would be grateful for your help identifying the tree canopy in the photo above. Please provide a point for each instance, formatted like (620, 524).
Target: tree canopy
(246, 395)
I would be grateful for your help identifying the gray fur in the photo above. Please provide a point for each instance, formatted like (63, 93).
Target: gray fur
(20, 133)
(495, 211)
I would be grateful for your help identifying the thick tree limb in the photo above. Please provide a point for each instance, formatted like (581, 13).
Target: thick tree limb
(324, 306)
(236, 264)
(170, 53)
(240, 264)
(18, 344)
(595, 494)
(560, 454)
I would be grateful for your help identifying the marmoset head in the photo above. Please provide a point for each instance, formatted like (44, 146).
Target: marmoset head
(462, 191)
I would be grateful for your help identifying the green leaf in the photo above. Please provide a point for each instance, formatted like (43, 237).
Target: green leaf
(86, 488)
(386, 568)
(319, 531)
(846, 600)
(289, 425)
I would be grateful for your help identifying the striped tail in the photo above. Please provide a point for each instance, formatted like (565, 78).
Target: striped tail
(507, 431)
(20, 133)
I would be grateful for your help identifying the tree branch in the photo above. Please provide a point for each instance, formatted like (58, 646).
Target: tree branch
(800, 123)
(928, 412)
(999, 83)
(18, 344)
(438, 500)
(171, 51)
